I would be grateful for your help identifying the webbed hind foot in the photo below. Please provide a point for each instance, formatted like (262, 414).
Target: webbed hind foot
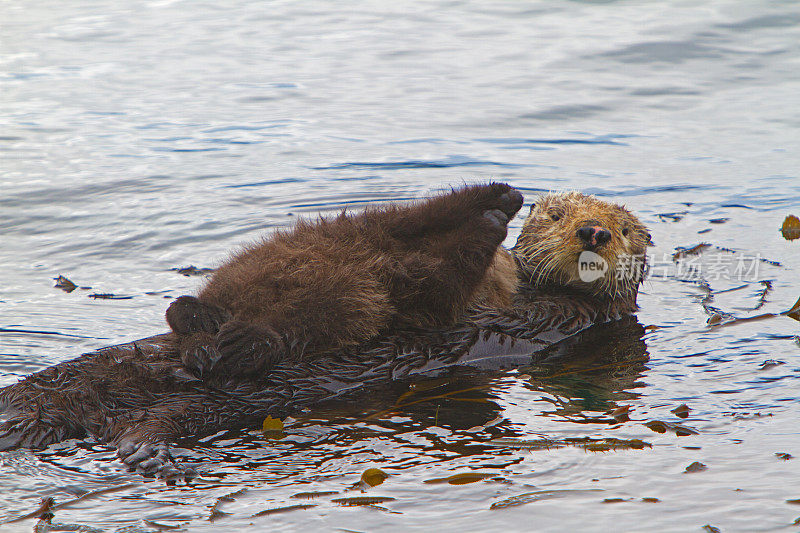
(152, 459)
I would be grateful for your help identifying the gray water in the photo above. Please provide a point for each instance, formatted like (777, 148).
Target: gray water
(142, 136)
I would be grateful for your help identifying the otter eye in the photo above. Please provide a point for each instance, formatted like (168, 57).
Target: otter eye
(555, 216)
(624, 231)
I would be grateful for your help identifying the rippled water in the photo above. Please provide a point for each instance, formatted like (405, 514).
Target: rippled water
(142, 136)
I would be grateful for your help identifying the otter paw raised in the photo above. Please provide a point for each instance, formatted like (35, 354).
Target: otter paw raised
(510, 202)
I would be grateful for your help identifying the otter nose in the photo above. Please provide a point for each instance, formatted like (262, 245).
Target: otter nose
(593, 236)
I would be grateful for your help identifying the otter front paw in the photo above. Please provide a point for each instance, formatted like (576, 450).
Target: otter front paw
(247, 350)
(507, 199)
(187, 315)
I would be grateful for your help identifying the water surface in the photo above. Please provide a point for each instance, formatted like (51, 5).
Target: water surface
(144, 136)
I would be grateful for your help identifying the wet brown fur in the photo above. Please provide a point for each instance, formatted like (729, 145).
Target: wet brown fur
(140, 393)
(338, 282)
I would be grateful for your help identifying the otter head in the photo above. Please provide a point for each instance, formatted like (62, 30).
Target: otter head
(580, 241)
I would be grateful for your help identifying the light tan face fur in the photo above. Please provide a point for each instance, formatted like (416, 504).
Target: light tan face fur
(549, 246)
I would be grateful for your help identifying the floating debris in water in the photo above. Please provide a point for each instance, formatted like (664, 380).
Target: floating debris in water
(682, 411)
(64, 284)
(791, 228)
(695, 467)
(44, 511)
(793, 313)
(616, 500)
(362, 500)
(460, 479)
(192, 270)
(587, 443)
(108, 296)
(273, 428)
(297, 507)
(710, 529)
(783, 455)
(226, 498)
(697, 249)
(672, 217)
(770, 363)
(659, 426)
(650, 500)
(373, 477)
(538, 495)
(621, 413)
(314, 494)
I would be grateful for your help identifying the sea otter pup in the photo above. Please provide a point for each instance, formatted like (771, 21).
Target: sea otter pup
(339, 282)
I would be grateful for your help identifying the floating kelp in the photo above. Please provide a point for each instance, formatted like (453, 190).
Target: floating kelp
(770, 363)
(682, 411)
(621, 414)
(108, 296)
(314, 494)
(362, 500)
(461, 479)
(227, 498)
(373, 477)
(192, 270)
(659, 426)
(273, 428)
(538, 495)
(791, 228)
(64, 284)
(288, 508)
(672, 217)
(718, 320)
(44, 511)
(696, 466)
(588, 443)
(697, 249)
(616, 500)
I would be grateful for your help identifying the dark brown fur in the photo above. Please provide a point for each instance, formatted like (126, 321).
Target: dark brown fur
(140, 396)
(339, 282)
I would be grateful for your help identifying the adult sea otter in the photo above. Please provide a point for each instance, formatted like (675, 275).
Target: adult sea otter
(141, 396)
